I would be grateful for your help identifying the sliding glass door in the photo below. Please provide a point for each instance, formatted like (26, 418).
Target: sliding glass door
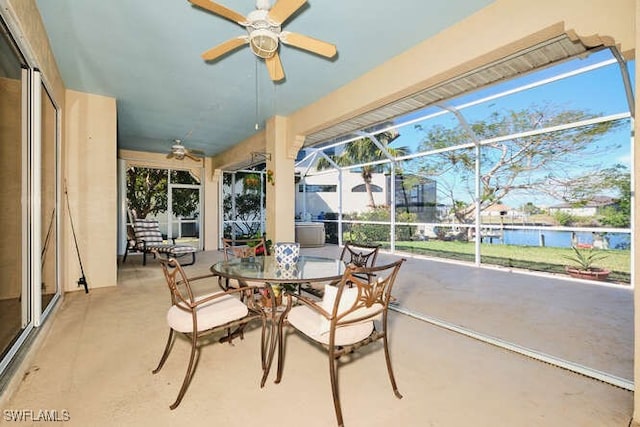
(184, 215)
(15, 310)
(30, 196)
(168, 195)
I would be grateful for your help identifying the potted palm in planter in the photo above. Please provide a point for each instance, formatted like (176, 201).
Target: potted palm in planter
(583, 267)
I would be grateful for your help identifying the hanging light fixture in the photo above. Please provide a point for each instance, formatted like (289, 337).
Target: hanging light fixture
(263, 32)
(263, 42)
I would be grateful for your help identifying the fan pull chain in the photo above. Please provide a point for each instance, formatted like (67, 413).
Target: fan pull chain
(274, 104)
(257, 112)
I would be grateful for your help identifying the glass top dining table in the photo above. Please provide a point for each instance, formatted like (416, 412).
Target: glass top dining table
(308, 269)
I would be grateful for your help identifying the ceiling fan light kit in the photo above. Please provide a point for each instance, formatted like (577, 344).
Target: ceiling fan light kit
(263, 42)
(264, 34)
(179, 152)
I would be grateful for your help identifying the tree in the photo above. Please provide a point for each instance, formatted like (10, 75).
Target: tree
(147, 193)
(364, 150)
(530, 209)
(247, 201)
(559, 164)
(619, 179)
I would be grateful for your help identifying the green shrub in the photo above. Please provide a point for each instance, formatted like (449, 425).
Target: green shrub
(367, 233)
(564, 218)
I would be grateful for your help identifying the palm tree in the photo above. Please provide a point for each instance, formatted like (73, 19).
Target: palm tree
(365, 150)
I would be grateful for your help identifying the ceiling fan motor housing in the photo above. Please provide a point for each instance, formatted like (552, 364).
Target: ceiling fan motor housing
(263, 33)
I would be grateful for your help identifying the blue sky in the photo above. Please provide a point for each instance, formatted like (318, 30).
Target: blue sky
(593, 84)
(599, 91)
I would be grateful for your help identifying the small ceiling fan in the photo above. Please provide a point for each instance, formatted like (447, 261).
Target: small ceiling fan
(264, 28)
(179, 152)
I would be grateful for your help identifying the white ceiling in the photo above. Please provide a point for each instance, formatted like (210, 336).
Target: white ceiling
(146, 54)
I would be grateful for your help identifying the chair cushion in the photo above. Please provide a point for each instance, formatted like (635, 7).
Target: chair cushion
(211, 314)
(147, 230)
(307, 321)
(158, 246)
(181, 249)
(347, 300)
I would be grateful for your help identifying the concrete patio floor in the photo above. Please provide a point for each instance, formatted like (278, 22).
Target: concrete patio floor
(96, 358)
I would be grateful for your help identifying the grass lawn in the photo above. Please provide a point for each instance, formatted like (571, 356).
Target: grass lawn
(547, 259)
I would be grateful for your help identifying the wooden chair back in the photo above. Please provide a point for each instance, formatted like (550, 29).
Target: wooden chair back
(243, 248)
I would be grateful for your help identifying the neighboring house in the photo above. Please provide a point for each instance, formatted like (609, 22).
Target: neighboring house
(590, 208)
(500, 210)
(417, 196)
(320, 195)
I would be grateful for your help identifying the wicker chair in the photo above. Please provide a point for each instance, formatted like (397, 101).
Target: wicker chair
(197, 317)
(343, 320)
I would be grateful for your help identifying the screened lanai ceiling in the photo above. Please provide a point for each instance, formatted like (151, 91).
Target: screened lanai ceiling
(147, 55)
(552, 51)
(148, 59)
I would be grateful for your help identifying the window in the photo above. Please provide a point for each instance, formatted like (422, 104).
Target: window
(362, 188)
(317, 188)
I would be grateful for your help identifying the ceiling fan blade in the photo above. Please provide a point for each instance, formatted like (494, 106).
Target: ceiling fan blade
(223, 48)
(218, 9)
(274, 66)
(170, 155)
(192, 157)
(283, 9)
(308, 43)
(197, 152)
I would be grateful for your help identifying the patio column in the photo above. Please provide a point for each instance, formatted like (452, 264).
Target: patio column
(211, 203)
(282, 148)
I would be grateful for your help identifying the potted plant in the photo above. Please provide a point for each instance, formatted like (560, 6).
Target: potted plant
(252, 181)
(267, 244)
(583, 267)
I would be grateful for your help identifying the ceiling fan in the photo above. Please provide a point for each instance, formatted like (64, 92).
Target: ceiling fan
(179, 152)
(264, 30)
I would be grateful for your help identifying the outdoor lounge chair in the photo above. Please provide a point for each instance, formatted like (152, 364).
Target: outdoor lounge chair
(149, 239)
(344, 320)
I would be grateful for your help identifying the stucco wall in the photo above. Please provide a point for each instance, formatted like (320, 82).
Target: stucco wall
(91, 180)
(28, 17)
